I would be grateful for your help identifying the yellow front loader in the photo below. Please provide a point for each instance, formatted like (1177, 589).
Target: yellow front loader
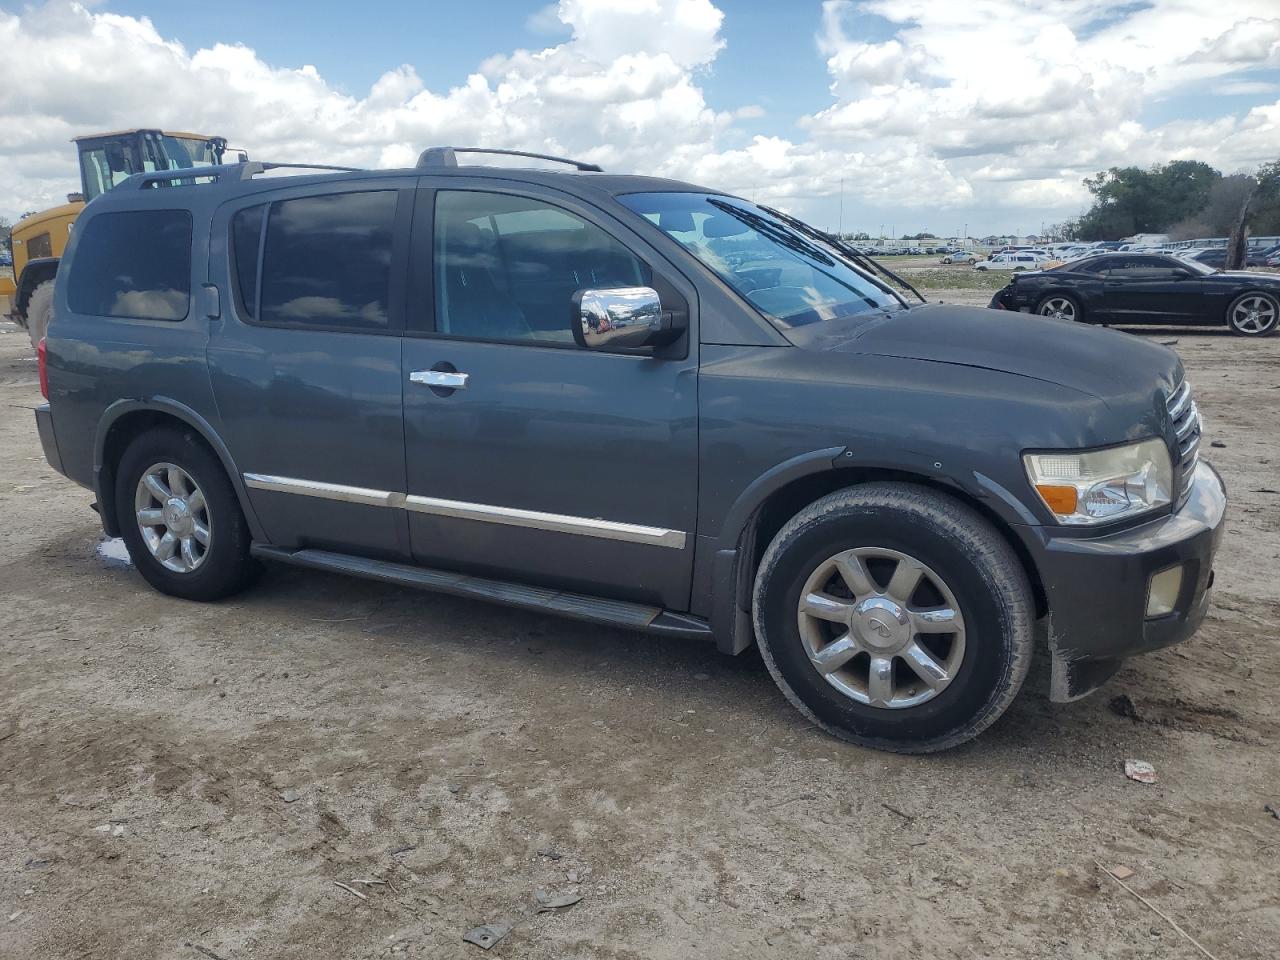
(106, 159)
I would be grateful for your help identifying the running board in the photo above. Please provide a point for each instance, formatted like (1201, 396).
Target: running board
(617, 613)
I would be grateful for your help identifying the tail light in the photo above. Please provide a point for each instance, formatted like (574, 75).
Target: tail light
(43, 363)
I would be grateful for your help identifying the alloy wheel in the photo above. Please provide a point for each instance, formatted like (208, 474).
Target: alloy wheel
(1058, 308)
(881, 627)
(173, 517)
(1254, 314)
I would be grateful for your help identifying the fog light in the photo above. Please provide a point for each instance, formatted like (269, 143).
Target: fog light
(1163, 590)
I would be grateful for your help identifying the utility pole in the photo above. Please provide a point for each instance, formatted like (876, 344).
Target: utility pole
(840, 229)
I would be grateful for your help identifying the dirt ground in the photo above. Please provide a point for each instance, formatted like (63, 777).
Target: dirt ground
(186, 781)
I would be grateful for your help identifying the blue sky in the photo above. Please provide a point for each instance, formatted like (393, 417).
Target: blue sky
(769, 59)
(925, 114)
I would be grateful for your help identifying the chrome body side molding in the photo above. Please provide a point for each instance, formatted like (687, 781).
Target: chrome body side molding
(485, 513)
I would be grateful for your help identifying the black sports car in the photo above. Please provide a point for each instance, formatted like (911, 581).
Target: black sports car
(1148, 288)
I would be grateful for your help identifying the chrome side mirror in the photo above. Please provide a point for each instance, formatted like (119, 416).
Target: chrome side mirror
(621, 318)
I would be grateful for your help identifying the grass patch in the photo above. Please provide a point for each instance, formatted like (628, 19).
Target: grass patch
(957, 278)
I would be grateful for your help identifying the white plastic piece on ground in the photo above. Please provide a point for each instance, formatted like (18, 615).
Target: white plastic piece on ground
(1140, 771)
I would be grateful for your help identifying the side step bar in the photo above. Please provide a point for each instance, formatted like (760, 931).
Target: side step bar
(617, 613)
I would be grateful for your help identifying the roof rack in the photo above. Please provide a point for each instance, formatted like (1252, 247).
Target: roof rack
(436, 157)
(236, 171)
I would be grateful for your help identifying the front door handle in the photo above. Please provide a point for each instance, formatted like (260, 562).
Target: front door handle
(449, 379)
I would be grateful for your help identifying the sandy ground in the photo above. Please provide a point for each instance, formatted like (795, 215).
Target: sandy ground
(186, 781)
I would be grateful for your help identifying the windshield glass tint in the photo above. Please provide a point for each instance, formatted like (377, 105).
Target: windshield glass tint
(791, 279)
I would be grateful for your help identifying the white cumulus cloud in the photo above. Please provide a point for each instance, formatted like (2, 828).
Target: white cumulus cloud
(988, 111)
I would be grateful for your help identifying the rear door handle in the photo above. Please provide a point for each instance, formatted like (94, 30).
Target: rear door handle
(450, 379)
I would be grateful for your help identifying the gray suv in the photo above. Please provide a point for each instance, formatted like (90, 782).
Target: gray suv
(632, 401)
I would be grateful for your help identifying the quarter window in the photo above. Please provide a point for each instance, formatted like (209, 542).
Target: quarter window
(134, 264)
(327, 261)
(246, 238)
(507, 267)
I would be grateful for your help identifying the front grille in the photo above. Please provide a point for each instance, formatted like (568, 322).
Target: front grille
(1186, 428)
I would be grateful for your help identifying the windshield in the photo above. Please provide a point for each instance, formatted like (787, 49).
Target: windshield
(181, 152)
(1196, 266)
(791, 279)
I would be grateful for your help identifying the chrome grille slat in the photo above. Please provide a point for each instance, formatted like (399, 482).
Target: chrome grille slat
(1185, 416)
(1178, 400)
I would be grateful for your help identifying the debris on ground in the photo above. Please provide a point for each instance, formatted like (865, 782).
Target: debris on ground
(290, 795)
(15, 915)
(1168, 343)
(555, 901)
(1156, 910)
(1123, 706)
(1217, 443)
(204, 950)
(351, 890)
(1273, 809)
(1140, 770)
(551, 854)
(487, 935)
(1120, 873)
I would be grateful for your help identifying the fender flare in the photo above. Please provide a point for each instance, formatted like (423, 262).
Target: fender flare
(730, 579)
(179, 411)
(970, 483)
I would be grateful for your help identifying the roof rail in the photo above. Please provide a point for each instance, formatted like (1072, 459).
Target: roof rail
(436, 157)
(236, 171)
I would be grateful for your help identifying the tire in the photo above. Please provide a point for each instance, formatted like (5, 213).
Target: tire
(39, 312)
(1060, 306)
(981, 580)
(217, 567)
(1254, 314)
(979, 266)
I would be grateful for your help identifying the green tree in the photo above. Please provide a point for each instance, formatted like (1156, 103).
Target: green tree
(1128, 200)
(5, 229)
(1266, 202)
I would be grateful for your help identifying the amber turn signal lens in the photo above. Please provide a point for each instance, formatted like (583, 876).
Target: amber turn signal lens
(1061, 500)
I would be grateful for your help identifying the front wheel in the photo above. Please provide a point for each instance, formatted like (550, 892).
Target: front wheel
(39, 312)
(180, 518)
(1253, 314)
(894, 617)
(1060, 307)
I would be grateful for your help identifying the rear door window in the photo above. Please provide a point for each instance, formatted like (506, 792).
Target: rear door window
(136, 263)
(327, 261)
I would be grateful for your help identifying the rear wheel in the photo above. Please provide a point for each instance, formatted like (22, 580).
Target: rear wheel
(1059, 306)
(894, 617)
(1254, 314)
(180, 518)
(40, 312)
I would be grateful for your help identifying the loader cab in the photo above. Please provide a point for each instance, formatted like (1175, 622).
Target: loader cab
(106, 161)
(109, 159)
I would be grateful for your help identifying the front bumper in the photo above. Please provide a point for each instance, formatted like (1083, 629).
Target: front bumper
(1096, 589)
(44, 426)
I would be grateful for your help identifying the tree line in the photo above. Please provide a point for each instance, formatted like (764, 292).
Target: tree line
(1185, 199)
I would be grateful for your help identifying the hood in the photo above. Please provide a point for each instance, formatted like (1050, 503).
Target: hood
(1104, 363)
(1253, 276)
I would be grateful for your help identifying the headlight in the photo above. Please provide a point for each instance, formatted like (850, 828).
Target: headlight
(1099, 485)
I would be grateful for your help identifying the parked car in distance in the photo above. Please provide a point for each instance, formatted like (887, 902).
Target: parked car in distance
(633, 401)
(963, 256)
(1148, 288)
(1012, 261)
(1216, 257)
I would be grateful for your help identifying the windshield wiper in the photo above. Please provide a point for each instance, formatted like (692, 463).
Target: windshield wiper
(775, 233)
(859, 258)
